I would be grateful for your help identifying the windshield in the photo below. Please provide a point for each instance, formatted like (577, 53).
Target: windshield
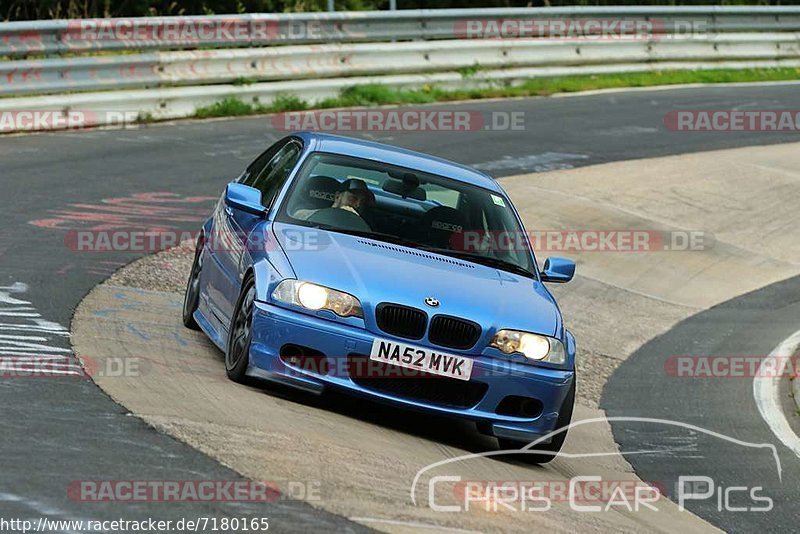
(409, 207)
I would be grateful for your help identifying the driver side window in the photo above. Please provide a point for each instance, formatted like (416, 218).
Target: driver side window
(270, 171)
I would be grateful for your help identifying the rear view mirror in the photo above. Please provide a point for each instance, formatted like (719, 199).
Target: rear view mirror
(244, 198)
(558, 270)
(404, 189)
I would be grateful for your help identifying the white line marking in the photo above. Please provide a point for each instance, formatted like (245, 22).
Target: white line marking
(19, 362)
(27, 343)
(22, 338)
(17, 350)
(18, 287)
(31, 355)
(36, 361)
(30, 368)
(39, 357)
(13, 348)
(766, 392)
(42, 372)
(37, 323)
(26, 328)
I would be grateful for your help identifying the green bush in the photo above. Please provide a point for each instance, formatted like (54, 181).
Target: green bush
(230, 107)
(377, 95)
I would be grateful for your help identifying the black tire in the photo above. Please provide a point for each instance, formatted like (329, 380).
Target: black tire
(564, 418)
(191, 298)
(237, 355)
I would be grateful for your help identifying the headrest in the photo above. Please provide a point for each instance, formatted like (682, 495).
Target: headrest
(440, 224)
(321, 192)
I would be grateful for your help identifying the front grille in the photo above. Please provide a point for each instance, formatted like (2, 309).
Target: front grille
(453, 332)
(422, 387)
(401, 321)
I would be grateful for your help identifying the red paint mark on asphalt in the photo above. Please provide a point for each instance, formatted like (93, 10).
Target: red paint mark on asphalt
(157, 212)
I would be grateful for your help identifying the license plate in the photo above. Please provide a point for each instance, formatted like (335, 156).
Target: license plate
(421, 359)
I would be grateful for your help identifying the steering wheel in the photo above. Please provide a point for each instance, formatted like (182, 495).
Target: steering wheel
(339, 218)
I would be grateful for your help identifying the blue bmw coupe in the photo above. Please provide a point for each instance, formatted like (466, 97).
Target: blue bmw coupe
(398, 277)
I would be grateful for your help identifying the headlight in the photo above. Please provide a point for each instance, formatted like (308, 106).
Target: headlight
(532, 346)
(315, 297)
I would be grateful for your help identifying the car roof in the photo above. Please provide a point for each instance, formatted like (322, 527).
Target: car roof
(349, 146)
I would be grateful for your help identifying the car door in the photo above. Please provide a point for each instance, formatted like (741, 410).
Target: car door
(239, 226)
(216, 263)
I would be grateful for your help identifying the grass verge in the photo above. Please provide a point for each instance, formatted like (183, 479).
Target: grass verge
(376, 94)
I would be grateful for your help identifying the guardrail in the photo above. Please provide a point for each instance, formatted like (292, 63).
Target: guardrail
(325, 61)
(259, 56)
(93, 35)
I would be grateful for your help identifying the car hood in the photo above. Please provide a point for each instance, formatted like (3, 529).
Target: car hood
(376, 271)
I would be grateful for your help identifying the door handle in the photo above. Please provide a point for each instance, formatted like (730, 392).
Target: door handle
(229, 211)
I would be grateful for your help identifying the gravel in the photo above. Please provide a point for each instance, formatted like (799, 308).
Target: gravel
(166, 271)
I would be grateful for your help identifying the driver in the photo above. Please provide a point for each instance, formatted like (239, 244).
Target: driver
(352, 196)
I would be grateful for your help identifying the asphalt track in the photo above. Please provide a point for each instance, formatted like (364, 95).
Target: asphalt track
(751, 325)
(59, 430)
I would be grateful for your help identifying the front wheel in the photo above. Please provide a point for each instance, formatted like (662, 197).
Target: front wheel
(237, 356)
(549, 450)
(191, 299)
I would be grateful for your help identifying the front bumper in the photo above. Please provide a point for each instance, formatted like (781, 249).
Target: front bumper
(492, 379)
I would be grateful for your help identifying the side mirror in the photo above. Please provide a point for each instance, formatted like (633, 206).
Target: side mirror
(558, 270)
(244, 198)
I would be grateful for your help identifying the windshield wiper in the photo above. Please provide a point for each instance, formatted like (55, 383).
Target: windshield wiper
(483, 260)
